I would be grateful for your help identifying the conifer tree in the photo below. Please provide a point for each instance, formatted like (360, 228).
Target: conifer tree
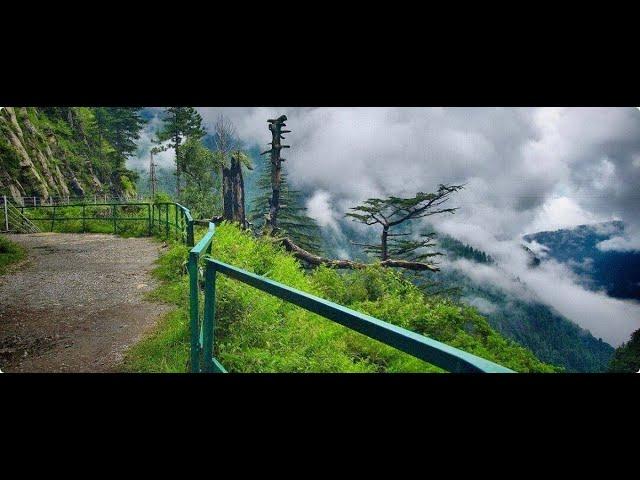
(292, 218)
(394, 212)
(179, 123)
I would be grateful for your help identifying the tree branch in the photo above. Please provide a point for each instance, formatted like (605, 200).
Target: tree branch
(312, 259)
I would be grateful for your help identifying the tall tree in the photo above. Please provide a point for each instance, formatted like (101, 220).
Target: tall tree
(394, 212)
(179, 122)
(275, 126)
(626, 358)
(121, 127)
(202, 182)
(292, 218)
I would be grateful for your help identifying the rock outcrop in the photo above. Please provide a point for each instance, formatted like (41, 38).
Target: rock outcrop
(47, 154)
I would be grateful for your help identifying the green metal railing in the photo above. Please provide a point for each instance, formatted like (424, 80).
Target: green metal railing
(203, 327)
(163, 218)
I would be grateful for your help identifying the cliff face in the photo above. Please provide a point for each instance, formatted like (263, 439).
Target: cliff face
(55, 152)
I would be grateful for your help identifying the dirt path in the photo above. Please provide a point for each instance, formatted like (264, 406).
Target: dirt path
(78, 303)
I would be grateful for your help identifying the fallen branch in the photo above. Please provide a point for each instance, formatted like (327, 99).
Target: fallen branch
(312, 259)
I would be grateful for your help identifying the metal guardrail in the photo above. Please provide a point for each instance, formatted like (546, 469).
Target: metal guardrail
(69, 199)
(161, 217)
(203, 328)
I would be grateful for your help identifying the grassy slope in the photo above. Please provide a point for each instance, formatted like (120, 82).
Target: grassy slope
(259, 333)
(9, 253)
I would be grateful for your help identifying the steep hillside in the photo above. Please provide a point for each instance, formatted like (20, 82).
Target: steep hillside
(616, 272)
(256, 332)
(550, 336)
(57, 152)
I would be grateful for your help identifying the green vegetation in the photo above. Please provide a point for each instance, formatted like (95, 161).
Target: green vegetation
(256, 332)
(132, 220)
(9, 253)
(67, 151)
(202, 182)
(550, 336)
(179, 123)
(626, 358)
(292, 218)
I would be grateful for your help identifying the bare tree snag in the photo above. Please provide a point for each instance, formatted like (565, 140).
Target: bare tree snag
(233, 190)
(231, 159)
(275, 125)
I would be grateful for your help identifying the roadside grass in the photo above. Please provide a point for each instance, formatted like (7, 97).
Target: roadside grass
(256, 332)
(10, 253)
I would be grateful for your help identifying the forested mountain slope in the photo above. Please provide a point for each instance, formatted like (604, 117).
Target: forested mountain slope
(618, 272)
(66, 151)
(551, 336)
(532, 324)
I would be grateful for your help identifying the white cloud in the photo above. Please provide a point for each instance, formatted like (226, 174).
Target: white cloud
(483, 305)
(561, 212)
(165, 159)
(319, 208)
(624, 244)
(526, 170)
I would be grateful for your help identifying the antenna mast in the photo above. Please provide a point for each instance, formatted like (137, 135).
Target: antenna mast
(152, 177)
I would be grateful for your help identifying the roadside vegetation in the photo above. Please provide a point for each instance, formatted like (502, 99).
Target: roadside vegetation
(256, 332)
(10, 253)
(132, 220)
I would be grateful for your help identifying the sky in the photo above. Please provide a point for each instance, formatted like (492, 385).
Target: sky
(525, 170)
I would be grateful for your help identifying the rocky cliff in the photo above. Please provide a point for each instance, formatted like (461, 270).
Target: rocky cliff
(57, 152)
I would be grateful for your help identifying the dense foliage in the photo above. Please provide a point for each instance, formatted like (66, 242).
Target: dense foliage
(292, 218)
(552, 337)
(9, 253)
(202, 184)
(260, 333)
(67, 151)
(626, 358)
(617, 272)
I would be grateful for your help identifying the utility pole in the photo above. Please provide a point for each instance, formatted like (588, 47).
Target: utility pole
(275, 125)
(152, 177)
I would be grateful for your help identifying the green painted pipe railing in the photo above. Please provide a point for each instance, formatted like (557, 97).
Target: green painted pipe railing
(159, 217)
(203, 328)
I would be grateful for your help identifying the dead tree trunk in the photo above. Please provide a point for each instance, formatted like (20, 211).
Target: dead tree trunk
(275, 125)
(233, 193)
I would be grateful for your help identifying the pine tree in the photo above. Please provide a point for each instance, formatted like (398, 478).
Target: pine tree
(393, 213)
(119, 128)
(202, 182)
(179, 122)
(292, 218)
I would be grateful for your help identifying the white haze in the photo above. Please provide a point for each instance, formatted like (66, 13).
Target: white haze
(525, 170)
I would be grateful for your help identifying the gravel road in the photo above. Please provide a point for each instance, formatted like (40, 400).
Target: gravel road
(77, 303)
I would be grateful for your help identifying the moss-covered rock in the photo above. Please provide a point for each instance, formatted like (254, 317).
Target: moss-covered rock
(48, 152)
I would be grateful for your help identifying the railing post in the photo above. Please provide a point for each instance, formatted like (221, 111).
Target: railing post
(194, 312)
(166, 220)
(83, 218)
(113, 214)
(53, 217)
(209, 315)
(175, 207)
(190, 240)
(6, 213)
(149, 217)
